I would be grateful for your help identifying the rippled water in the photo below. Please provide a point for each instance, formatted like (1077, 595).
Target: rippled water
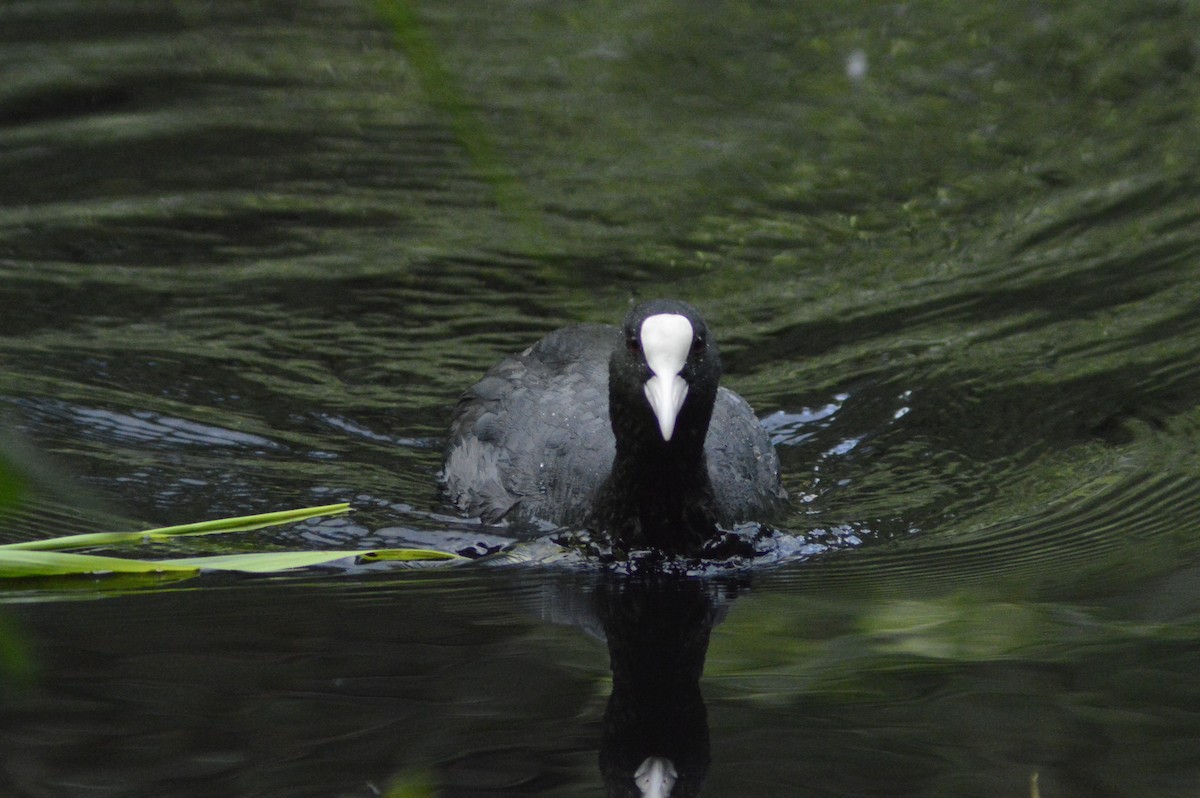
(251, 253)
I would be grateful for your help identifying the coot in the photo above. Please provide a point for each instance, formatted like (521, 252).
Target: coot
(624, 432)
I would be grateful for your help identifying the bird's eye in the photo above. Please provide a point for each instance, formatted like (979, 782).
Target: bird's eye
(635, 346)
(699, 344)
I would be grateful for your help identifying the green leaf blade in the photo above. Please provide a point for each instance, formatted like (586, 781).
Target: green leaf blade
(19, 564)
(243, 523)
(277, 561)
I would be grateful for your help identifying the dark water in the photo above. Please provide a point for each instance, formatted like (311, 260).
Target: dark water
(250, 254)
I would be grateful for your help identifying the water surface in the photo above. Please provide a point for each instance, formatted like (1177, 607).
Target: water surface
(250, 255)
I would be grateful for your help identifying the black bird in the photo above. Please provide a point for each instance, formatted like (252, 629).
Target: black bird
(624, 432)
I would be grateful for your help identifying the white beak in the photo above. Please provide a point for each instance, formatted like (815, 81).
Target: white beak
(655, 777)
(666, 341)
(666, 397)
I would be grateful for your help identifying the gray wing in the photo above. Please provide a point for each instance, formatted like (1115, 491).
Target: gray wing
(742, 463)
(532, 439)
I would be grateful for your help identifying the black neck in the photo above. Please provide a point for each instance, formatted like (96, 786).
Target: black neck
(658, 496)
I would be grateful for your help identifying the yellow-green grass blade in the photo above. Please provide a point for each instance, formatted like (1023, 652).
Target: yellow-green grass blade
(407, 555)
(59, 563)
(274, 561)
(242, 523)
(19, 563)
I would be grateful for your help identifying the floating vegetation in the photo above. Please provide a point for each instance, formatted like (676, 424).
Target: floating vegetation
(50, 557)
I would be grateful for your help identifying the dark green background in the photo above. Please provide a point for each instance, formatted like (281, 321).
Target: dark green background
(251, 252)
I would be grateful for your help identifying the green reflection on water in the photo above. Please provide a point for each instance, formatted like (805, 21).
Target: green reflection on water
(780, 647)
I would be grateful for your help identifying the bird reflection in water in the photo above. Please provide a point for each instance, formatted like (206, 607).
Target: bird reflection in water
(655, 736)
